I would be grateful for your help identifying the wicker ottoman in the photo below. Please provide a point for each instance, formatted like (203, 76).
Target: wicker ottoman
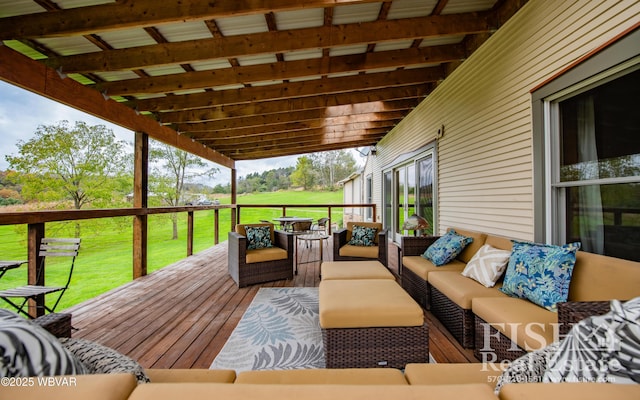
(371, 323)
(58, 324)
(355, 270)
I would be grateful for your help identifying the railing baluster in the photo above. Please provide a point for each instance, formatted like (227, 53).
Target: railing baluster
(189, 233)
(36, 268)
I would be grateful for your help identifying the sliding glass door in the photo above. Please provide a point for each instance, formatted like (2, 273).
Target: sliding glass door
(409, 189)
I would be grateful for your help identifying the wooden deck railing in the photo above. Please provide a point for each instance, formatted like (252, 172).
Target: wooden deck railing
(36, 220)
(284, 208)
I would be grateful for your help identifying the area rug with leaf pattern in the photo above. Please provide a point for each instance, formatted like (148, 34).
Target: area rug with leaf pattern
(279, 330)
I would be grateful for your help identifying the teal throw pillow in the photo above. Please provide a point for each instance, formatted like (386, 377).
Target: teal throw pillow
(446, 248)
(363, 236)
(258, 237)
(540, 273)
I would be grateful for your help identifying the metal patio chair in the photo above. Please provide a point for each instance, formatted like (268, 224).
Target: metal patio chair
(49, 247)
(320, 226)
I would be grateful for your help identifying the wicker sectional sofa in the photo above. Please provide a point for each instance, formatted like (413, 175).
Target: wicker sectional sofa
(428, 381)
(497, 326)
(417, 380)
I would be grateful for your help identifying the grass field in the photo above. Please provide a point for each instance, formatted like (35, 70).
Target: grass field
(105, 259)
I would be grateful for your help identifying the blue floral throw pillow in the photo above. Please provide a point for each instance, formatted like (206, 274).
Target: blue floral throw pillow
(363, 236)
(540, 273)
(258, 237)
(446, 248)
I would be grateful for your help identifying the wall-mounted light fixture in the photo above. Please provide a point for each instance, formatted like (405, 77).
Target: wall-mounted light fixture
(440, 132)
(373, 151)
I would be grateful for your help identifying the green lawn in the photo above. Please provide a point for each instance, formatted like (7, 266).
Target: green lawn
(105, 259)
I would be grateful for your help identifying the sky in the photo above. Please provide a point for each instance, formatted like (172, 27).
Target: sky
(21, 112)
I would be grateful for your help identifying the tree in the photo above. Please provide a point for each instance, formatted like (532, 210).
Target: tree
(174, 168)
(333, 166)
(304, 174)
(82, 163)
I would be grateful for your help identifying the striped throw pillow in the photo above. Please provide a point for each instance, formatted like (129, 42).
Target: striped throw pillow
(101, 359)
(603, 348)
(487, 265)
(27, 349)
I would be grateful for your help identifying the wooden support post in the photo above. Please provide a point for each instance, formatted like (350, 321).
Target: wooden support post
(35, 276)
(330, 220)
(234, 200)
(140, 200)
(216, 226)
(189, 233)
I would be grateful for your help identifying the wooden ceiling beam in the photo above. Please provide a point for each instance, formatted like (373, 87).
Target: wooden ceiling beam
(318, 126)
(414, 77)
(302, 143)
(33, 76)
(291, 138)
(278, 106)
(301, 114)
(282, 71)
(272, 42)
(289, 151)
(303, 117)
(140, 13)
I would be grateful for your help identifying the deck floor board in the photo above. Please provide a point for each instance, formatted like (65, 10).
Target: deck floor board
(182, 315)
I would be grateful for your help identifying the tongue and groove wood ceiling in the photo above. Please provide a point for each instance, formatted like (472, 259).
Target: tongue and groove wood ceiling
(257, 79)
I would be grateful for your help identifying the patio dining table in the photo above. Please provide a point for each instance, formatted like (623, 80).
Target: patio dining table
(287, 222)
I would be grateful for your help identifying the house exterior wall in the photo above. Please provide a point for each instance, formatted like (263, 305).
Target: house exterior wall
(352, 193)
(485, 159)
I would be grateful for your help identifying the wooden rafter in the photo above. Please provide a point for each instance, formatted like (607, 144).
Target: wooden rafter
(331, 74)
(280, 71)
(272, 42)
(131, 14)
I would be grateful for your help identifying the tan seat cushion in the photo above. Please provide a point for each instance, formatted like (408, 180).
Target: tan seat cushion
(208, 391)
(242, 229)
(460, 289)
(349, 250)
(377, 225)
(267, 254)
(499, 242)
(473, 247)
(597, 277)
(191, 375)
(354, 270)
(349, 376)
(453, 374)
(366, 303)
(421, 266)
(95, 387)
(530, 326)
(582, 391)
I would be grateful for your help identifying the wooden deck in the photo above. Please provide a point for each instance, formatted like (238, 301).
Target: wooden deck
(182, 315)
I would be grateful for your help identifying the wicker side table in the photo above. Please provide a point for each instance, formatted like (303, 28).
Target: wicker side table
(58, 324)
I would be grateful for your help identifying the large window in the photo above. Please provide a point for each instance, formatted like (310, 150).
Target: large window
(590, 147)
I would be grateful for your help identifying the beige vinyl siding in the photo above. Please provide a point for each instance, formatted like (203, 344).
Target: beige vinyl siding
(485, 170)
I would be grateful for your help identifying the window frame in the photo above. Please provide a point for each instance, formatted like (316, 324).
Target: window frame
(599, 67)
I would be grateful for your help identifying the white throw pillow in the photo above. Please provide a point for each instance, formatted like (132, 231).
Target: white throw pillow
(487, 265)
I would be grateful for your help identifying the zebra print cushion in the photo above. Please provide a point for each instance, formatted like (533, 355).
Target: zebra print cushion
(529, 368)
(101, 359)
(27, 349)
(602, 348)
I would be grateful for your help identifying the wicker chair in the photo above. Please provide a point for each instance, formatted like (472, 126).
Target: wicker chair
(342, 237)
(248, 267)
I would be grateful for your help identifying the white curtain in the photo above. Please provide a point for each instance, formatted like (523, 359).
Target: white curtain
(589, 200)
